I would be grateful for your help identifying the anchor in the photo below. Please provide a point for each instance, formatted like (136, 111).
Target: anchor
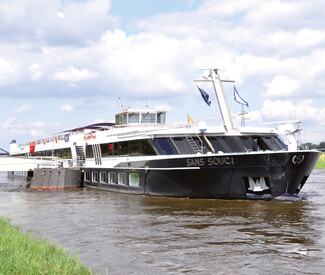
(257, 184)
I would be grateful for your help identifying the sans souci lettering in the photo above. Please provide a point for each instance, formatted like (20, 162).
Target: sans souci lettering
(215, 161)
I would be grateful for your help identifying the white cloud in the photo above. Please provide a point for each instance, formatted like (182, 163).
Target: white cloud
(285, 109)
(10, 122)
(82, 21)
(24, 108)
(281, 86)
(37, 124)
(60, 14)
(67, 108)
(72, 74)
(164, 107)
(100, 120)
(35, 72)
(36, 133)
(9, 71)
(254, 116)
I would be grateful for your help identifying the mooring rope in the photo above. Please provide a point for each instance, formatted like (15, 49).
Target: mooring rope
(33, 179)
(58, 174)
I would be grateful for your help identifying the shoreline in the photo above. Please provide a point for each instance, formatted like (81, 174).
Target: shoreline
(321, 162)
(20, 253)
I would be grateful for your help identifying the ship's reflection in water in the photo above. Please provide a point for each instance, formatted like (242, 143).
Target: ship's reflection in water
(124, 234)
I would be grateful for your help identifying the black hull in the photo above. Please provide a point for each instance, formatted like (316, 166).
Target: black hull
(236, 176)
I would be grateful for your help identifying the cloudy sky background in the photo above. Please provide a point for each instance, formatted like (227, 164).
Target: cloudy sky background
(65, 63)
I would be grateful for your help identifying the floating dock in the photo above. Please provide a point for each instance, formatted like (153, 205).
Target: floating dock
(59, 178)
(42, 173)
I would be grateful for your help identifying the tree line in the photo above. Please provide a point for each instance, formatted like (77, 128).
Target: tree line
(309, 145)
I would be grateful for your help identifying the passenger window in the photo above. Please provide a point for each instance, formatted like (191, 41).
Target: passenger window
(87, 175)
(122, 178)
(103, 177)
(95, 176)
(134, 179)
(111, 177)
(135, 147)
(146, 149)
(261, 144)
(124, 148)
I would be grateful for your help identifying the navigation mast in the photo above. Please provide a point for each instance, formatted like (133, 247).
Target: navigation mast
(220, 94)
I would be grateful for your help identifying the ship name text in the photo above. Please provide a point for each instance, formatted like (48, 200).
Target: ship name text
(215, 161)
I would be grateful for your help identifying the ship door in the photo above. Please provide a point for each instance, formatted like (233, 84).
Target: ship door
(97, 154)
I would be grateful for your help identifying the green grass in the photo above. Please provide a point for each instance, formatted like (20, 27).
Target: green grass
(20, 253)
(321, 162)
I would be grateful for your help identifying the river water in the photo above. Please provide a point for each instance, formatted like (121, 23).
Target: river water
(132, 234)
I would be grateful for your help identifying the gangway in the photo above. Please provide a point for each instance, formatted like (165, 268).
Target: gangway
(3, 152)
(26, 163)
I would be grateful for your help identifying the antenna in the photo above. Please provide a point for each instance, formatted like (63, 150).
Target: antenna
(150, 104)
(121, 105)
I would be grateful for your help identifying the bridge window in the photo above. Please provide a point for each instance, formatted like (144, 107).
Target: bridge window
(161, 117)
(121, 119)
(148, 118)
(134, 118)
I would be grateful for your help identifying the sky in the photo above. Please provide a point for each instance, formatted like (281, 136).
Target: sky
(69, 63)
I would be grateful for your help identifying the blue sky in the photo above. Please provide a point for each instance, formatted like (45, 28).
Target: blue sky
(64, 64)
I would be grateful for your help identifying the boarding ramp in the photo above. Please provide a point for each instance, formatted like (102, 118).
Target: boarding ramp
(3, 152)
(27, 163)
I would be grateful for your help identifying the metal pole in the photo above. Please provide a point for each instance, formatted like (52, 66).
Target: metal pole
(222, 101)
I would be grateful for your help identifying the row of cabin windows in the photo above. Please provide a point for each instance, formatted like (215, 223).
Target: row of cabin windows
(175, 145)
(110, 177)
(125, 148)
(64, 153)
(226, 144)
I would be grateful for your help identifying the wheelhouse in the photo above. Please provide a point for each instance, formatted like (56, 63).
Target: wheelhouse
(140, 116)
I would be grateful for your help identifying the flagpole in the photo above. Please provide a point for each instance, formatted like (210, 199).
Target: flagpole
(242, 116)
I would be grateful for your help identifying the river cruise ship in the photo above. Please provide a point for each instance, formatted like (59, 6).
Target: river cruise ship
(141, 154)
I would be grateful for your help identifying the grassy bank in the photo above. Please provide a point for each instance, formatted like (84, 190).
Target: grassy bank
(22, 254)
(321, 162)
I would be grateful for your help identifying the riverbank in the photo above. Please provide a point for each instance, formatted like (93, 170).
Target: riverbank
(321, 162)
(22, 254)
